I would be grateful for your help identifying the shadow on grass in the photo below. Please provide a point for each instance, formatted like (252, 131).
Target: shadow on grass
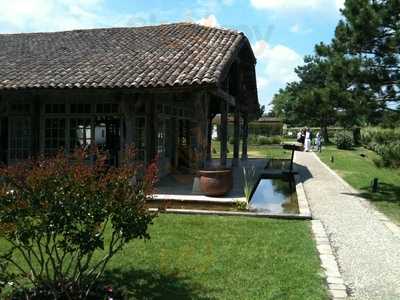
(386, 192)
(141, 284)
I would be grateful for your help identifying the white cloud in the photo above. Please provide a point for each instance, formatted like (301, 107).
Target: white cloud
(54, 15)
(261, 82)
(228, 2)
(44, 15)
(210, 21)
(294, 5)
(340, 4)
(276, 64)
(295, 28)
(285, 4)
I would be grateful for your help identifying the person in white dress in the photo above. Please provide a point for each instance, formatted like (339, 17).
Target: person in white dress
(307, 142)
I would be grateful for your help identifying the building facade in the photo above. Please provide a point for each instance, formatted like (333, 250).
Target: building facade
(156, 87)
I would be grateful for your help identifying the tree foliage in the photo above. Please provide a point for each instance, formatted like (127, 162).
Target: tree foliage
(370, 34)
(54, 213)
(354, 80)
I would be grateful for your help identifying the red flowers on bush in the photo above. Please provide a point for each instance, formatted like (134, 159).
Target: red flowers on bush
(55, 212)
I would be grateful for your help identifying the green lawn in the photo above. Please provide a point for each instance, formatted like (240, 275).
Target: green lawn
(211, 257)
(357, 168)
(255, 151)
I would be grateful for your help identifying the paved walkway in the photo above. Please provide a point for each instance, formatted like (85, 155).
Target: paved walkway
(368, 253)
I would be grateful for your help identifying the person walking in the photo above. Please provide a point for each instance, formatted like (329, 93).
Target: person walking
(298, 138)
(307, 142)
(319, 141)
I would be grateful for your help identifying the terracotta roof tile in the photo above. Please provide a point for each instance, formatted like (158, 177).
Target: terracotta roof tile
(157, 56)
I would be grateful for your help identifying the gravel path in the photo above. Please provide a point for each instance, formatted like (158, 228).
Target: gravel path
(368, 253)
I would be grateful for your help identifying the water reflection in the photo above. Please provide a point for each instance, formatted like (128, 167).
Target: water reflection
(275, 195)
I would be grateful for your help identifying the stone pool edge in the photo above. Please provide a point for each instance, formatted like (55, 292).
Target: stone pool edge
(304, 209)
(231, 213)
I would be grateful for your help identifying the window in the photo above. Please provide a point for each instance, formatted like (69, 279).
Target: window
(159, 108)
(107, 108)
(140, 138)
(100, 134)
(167, 110)
(161, 139)
(80, 108)
(20, 138)
(3, 107)
(80, 133)
(54, 108)
(54, 135)
(20, 108)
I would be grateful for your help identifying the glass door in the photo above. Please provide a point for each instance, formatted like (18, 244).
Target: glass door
(108, 137)
(183, 144)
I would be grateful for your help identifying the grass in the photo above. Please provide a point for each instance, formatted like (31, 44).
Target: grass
(211, 257)
(254, 151)
(358, 169)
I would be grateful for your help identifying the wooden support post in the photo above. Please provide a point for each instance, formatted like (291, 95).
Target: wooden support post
(236, 137)
(245, 134)
(224, 133)
(36, 127)
(150, 130)
(128, 121)
(209, 137)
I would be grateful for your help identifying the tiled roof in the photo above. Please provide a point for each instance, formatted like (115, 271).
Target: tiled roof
(153, 56)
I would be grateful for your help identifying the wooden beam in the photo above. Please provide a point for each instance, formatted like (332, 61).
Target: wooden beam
(36, 114)
(236, 137)
(209, 136)
(245, 133)
(150, 130)
(225, 96)
(224, 133)
(238, 94)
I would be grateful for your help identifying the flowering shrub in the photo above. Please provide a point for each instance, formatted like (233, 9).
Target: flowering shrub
(54, 214)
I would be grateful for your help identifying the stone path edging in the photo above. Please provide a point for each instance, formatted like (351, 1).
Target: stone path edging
(336, 287)
(304, 207)
(394, 228)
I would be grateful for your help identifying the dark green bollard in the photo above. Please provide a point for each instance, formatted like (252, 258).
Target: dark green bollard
(375, 185)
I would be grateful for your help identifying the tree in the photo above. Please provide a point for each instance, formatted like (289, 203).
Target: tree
(370, 36)
(313, 100)
(355, 79)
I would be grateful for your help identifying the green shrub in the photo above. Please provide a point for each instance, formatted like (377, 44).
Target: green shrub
(231, 140)
(54, 212)
(263, 140)
(344, 140)
(389, 153)
(252, 139)
(377, 135)
(385, 142)
(276, 139)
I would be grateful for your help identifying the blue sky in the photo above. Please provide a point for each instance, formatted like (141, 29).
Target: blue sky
(280, 31)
